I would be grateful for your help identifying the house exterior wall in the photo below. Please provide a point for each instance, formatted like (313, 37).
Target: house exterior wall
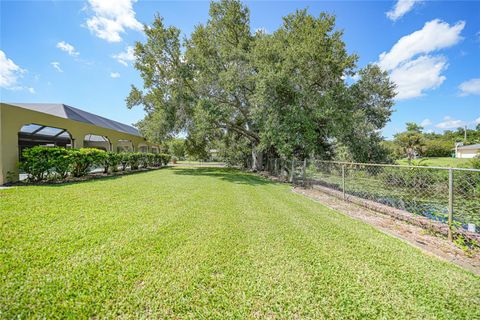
(467, 154)
(13, 118)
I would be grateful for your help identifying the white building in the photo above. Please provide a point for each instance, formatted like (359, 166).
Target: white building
(467, 151)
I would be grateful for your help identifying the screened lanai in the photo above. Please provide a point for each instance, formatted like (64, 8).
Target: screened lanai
(31, 135)
(24, 125)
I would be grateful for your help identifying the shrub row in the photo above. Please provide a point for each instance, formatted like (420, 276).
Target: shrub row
(48, 163)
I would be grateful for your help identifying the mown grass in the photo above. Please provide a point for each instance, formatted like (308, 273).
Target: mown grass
(440, 162)
(210, 243)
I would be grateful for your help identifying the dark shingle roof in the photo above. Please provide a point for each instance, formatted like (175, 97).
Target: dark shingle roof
(68, 112)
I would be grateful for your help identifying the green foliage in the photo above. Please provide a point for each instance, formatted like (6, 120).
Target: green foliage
(44, 163)
(123, 159)
(111, 161)
(411, 141)
(475, 162)
(412, 126)
(371, 100)
(83, 160)
(176, 147)
(165, 158)
(393, 150)
(415, 178)
(437, 148)
(280, 94)
(134, 160)
(414, 141)
(458, 135)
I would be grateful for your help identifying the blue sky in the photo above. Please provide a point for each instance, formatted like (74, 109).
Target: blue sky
(77, 52)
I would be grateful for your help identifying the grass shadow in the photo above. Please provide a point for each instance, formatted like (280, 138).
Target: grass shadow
(225, 174)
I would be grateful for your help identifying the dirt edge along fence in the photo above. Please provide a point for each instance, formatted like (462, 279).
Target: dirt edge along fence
(446, 200)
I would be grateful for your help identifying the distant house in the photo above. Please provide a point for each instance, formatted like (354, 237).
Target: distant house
(467, 151)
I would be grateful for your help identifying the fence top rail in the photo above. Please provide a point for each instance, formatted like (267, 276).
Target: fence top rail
(397, 165)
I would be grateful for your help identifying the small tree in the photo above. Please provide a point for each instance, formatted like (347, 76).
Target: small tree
(111, 161)
(176, 147)
(411, 140)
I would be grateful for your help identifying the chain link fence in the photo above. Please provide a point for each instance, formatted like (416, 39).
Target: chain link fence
(450, 196)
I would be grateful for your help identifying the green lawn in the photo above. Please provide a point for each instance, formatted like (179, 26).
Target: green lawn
(441, 162)
(193, 162)
(210, 243)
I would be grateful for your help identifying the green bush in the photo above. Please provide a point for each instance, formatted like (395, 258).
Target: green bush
(42, 163)
(85, 159)
(144, 160)
(62, 161)
(111, 161)
(124, 159)
(165, 158)
(437, 148)
(150, 159)
(134, 160)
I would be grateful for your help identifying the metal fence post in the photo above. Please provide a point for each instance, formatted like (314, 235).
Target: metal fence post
(292, 175)
(304, 172)
(450, 203)
(343, 181)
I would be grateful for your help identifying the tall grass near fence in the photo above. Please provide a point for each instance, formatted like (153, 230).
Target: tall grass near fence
(446, 195)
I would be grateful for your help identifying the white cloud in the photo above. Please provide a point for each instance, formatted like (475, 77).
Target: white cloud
(112, 17)
(450, 123)
(31, 90)
(400, 9)
(426, 123)
(56, 66)
(477, 121)
(114, 75)
(416, 76)
(411, 67)
(126, 56)
(9, 72)
(435, 35)
(68, 48)
(471, 86)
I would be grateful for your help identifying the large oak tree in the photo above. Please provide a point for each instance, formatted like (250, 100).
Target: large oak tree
(283, 93)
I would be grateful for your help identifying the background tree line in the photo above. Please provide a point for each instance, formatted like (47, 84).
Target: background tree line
(415, 142)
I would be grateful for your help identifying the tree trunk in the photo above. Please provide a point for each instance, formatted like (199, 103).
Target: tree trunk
(257, 159)
(410, 155)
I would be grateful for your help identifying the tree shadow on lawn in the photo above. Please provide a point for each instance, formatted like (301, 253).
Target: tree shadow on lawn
(226, 174)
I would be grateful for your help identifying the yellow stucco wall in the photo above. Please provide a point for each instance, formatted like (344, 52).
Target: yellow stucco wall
(13, 118)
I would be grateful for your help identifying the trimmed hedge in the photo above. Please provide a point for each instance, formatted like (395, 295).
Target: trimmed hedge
(56, 163)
